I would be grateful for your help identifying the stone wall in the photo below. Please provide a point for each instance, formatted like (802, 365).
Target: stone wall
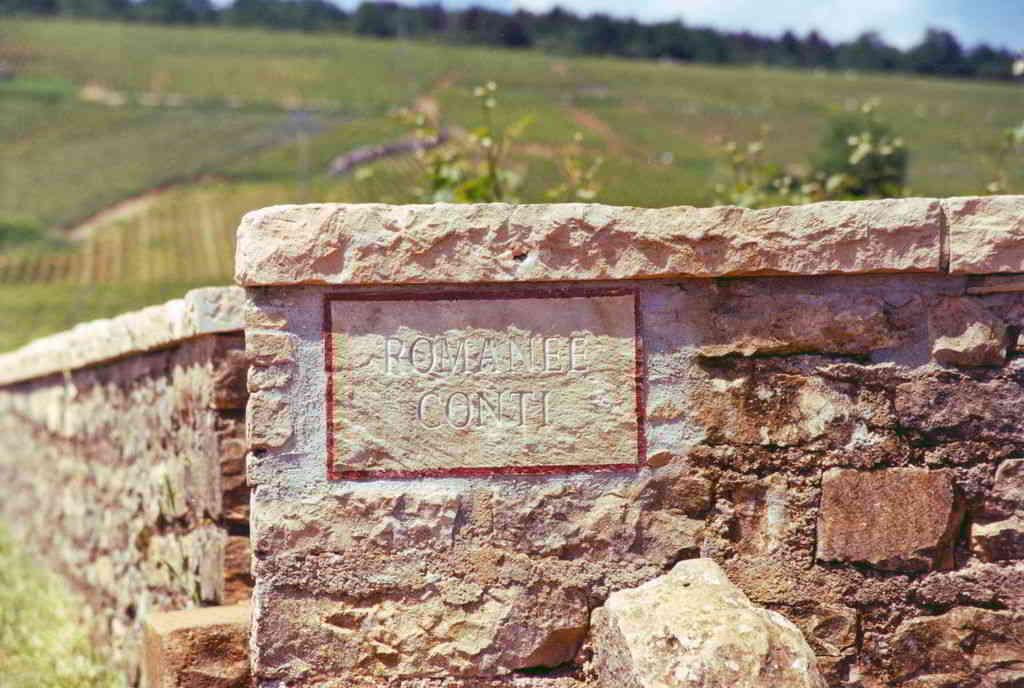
(828, 405)
(122, 456)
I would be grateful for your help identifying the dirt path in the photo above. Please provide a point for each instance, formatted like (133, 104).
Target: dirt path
(124, 209)
(428, 103)
(594, 124)
(305, 122)
(281, 133)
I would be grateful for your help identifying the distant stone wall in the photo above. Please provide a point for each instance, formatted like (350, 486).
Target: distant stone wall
(121, 458)
(470, 425)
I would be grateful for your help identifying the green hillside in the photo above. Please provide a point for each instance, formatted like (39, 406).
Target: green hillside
(236, 119)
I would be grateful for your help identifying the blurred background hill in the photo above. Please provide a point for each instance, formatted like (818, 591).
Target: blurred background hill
(132, 141)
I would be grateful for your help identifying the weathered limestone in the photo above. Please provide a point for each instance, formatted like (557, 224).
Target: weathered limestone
(832, 323)
(985, 234)
(692, 627)
(964, 333)
(1007, 495)
(198, 648)
(898, 519)
(380, 244)
(999, 540)
(389, 582)
(966, 646)
(954, 407)
(999, 533)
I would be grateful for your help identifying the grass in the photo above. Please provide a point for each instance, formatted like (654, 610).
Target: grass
(235, 89)
(42, 641)
(222, 121)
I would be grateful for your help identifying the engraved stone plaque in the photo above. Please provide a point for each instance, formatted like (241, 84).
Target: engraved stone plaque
(480, 383)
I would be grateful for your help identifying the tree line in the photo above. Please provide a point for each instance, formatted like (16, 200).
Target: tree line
(558, 31)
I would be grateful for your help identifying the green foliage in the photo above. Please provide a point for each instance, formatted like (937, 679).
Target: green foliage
(863, 151)
(473, 168)
(579, 174)
(1004, 159)
(18, 231)
(304, 15)
(43, 643)
(859, 157)
(751, 181)
(939, 53)
(174, 11)
(48, 90)
(26, 236)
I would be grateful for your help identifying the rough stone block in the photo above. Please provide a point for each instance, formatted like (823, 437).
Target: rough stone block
(230, 371)
(897, 519)
(985, 234)
(214, 309)
(952, 406)
(202, 311)
(268, 422)
(998, 540)
(658, 520)
(831, 629)
(965, 333)
(432, 578)
(231, 449)
(693, 628)
(267, 348)
(238, 580)
(966, 646)
(829, 323)
(1007, 495)
(416, 615)
(753, 402)
(380, 244)
(198, 648)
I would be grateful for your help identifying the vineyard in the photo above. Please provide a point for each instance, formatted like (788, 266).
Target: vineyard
(136, 149)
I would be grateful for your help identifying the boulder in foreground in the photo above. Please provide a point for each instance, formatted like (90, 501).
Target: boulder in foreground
(693, 628)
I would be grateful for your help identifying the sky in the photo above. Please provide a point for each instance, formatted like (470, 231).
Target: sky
(900, 22)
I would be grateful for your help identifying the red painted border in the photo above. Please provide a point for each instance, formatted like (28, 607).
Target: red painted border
(487, 471)
(455, 295)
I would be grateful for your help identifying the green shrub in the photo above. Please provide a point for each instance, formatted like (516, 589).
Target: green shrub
(18, 231)
(471, 168)
(1004, 159)
(863, 150)
(859, 157)
(474, 167)
(27, 234)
